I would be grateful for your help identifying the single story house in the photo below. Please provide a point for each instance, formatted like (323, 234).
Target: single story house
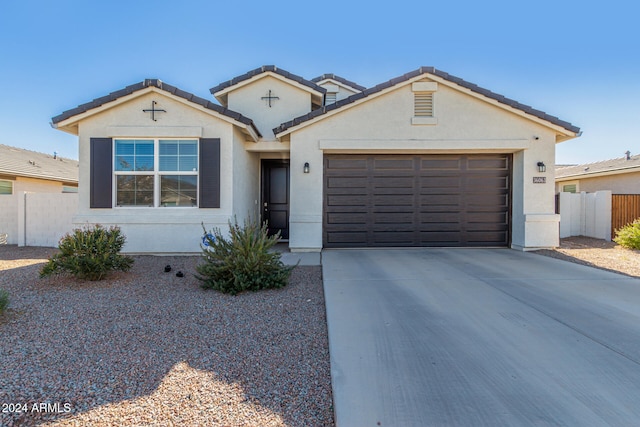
(620, 176)
(424, 159)
(29, 171)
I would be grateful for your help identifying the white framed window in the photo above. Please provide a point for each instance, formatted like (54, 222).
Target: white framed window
(6, 187)
(155, 172)
(570, 188)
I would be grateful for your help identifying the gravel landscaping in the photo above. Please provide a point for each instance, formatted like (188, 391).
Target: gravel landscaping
(149, 348)
(597, 253)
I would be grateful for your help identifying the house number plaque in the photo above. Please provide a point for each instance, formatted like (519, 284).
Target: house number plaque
(539, 179)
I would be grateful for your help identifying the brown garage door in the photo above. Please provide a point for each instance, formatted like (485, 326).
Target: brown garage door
(417, 200)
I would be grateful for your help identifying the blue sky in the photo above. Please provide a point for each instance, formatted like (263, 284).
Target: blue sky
(579, 61)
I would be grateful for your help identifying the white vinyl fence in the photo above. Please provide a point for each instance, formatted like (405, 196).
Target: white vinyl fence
(37, 219)
(586, 214)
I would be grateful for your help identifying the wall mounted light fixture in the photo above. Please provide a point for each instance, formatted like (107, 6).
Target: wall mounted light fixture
(306, 167)
(542, 167)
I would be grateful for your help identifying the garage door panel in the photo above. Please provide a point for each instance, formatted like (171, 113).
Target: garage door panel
(351, 163)
(483, 163)
(394, 164)
(440, 199)
(347, 238)
(392, 200)
(341, 182)
(399, 218)
(347, 217)
(439, 181)
(437, 163)
(347, 200)
(440, 217)
(442, 238)
(417, 200)
(485, 183)
(394, 238)
(393, 181)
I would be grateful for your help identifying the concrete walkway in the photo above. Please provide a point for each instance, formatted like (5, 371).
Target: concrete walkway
(480, 337)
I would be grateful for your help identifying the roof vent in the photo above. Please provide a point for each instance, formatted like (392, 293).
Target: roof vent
(628, 153)
(32, 162)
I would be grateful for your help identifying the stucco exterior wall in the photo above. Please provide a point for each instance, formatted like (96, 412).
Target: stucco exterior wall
(622, 183)
(246, 181)
(464, 125)
(9, 203)
(174, 230)
(292, 102)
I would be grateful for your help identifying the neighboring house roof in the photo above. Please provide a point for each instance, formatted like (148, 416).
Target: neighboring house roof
(31, 164)
(339, 80)
(162, 86)
(419, 72)
(604, 167)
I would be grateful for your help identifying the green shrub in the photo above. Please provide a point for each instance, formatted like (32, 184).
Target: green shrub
(629, 235)
(89, 254)
(4, 300)
(244, 262)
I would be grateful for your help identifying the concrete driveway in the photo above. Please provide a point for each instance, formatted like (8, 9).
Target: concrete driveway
(480, 337)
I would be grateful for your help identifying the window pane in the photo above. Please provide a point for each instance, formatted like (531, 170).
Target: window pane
(124, 163)
(188, 148)
(168, 163)
(134, 155)
(124, 147)
(168, 147)
(188, 164)
(6, 187)
(144, 163)
(134, 190)
(178, 190)
(144, 148)
(178, 155)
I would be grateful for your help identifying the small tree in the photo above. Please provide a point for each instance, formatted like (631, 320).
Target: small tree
(629, 235)
(89, 254)
(243, 262)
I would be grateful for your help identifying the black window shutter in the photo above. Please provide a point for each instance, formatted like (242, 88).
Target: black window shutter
(209, 173)
(101, 173)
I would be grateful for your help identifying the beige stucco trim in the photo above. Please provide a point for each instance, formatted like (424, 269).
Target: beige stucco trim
(424, 145)
(159, 131)
(268, 146)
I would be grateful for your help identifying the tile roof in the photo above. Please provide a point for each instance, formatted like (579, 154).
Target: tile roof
(20, 162)
(338, 79)
(162, 86)
(433, 71)
(267, 68)
(618, 165)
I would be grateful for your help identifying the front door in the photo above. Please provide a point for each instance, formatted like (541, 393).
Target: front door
(275, 196)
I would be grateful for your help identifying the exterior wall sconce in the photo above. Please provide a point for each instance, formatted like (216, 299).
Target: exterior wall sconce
(306, 167)
(542, 167)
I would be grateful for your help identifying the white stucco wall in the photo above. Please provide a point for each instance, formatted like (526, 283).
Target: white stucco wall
(246, 181)
(464, 125)
(9, 204)
(48, 217)
(172, 230)
(292, 102)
